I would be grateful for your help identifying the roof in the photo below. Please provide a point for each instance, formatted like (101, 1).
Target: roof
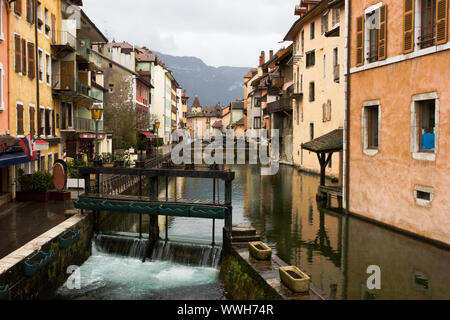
(146, 57)
(236, 105)
(295, 28)
(330, 142)
(196, 103)
(123, 45)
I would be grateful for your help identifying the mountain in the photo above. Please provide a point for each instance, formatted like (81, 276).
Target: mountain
(210, 84)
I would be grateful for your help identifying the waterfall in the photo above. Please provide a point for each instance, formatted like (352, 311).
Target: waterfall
(130, 247)
(188, 254)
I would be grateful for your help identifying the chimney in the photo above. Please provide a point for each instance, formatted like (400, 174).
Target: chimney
(271, 54)
(262, 58)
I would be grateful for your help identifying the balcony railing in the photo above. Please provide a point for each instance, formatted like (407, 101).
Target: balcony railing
(96, 60)
(66, 82)
(66, 39)
(284, 104)
(82, 88)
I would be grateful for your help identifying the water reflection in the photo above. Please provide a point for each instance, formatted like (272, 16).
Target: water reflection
(335, 250)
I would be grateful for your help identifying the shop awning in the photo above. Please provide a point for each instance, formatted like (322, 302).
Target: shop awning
(41, 145)
(149, 135)
(11, 159)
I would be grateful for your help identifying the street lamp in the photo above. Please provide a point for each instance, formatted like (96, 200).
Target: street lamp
(157, 123)
(96, 114)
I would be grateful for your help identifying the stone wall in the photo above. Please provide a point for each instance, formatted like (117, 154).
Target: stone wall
(47, 280)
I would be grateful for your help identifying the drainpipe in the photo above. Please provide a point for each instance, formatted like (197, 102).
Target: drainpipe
(36, 59)
(347, 109)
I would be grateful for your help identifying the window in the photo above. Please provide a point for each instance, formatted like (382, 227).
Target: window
(50, 162)
(428, 23)
(47, 22)
(20, 119)
(310, 58)
(324, 66)
(41, 121)
(257, 102)
(18, 54)
(426, 125)
(303, 41)
(311, 91)
(40, 21)
(41, 65)
(326, 111)
(371, 127)
(30, 11)
(48, 65)
(298, 111)
(311, 131)
(371, 35)
(373, 45)
(42, 163)
(311, 29)
(31, 67)
(111, 87)
(335, 17)
(257, 123)
(423, 196)
(18, 7)
(32, 120)
(47, 122)
(53, 17)
(336, 64)
(324, 24)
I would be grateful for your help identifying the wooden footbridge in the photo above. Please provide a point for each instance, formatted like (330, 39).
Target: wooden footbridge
(148, 201)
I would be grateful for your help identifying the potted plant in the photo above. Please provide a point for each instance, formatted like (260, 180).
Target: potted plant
(119, 159)
(107, 159)
(75, 180)
(34, 187)
(295, 279)
(259, 250)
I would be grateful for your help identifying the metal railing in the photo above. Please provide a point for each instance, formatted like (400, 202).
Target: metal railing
(67, 39)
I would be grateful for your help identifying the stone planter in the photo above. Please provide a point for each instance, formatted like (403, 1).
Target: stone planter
(75, 183)
(295, 279)
(37, 196)
(259, 250)
(36, 262)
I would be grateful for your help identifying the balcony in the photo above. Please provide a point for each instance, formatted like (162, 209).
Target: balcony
(65, 43)
(282, 105)
(95, 60)
(83, 51)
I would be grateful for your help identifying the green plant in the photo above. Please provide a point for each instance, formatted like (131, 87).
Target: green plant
(72, 168)
(25, 181)
(107, 157)
(42, 181)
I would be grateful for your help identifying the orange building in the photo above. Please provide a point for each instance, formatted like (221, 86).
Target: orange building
(4, 64)
(398, 113)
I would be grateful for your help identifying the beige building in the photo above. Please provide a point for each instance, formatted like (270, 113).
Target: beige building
(318, 56)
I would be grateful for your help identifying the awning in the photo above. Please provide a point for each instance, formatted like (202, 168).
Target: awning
(91, 136)
(11, 159)
(41, 145)
(287, 85)
(149, 135)
(330, 142)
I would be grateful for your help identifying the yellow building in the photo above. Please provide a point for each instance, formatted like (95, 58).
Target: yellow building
(318, 79)
(33, 28)
(184, 101)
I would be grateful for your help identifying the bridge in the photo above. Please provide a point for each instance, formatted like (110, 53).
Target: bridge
(148, 202)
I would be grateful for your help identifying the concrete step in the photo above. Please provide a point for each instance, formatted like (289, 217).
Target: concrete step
(241, 230)
(240, 239)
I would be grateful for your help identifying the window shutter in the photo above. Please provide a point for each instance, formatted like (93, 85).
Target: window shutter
(441, 21)
(360, 41)
(408, 29)
(329, 110)
(324, 112)
(17, 44)
(18, 7)
(32, 121)
(31, 69)
(53, 29)
(382, 34)
(20, 120)
(24, 57)
(53, 122)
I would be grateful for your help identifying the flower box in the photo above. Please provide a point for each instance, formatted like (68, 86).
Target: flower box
(36, 262)
(68, 238)
(295, 279)
(259, 250)
(3, 291)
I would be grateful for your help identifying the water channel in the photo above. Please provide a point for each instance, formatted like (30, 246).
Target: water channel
(335, 250)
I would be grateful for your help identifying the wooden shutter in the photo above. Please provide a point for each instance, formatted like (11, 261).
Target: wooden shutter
(324, 112)
(408, 27)
(441, 21)
(32, 121)
(18, 56)
(360, 41)
(30, 11)
(382, 34)
(20, 120)
(53, 123)
(18, 7)
(329, 110)
(24, 57)
(31, 68)
(53, 29)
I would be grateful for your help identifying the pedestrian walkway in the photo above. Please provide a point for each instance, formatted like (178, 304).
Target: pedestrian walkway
(21, 222)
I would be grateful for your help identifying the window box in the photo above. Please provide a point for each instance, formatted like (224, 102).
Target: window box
(36, 262)
(259, 250)
(68, 238)
(295, 279)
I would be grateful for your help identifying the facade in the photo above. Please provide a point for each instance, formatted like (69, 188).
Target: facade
(318, 56)
(256, 97)
(202, 120)
(399, 130)
(77, 80)
(247, 99)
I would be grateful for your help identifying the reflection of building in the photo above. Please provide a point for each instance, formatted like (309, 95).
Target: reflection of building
(399, 130)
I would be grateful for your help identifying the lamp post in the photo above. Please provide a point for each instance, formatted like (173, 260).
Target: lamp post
(157, 123)
(96, 114)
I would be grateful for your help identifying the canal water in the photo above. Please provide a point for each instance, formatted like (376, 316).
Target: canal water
(335, 250)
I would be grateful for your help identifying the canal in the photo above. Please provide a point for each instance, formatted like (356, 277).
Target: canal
(335, 250)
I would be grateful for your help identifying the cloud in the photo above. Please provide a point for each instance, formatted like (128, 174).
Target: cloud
(220, 32)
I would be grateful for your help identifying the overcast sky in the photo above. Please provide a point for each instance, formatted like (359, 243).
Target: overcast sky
(220, 32)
